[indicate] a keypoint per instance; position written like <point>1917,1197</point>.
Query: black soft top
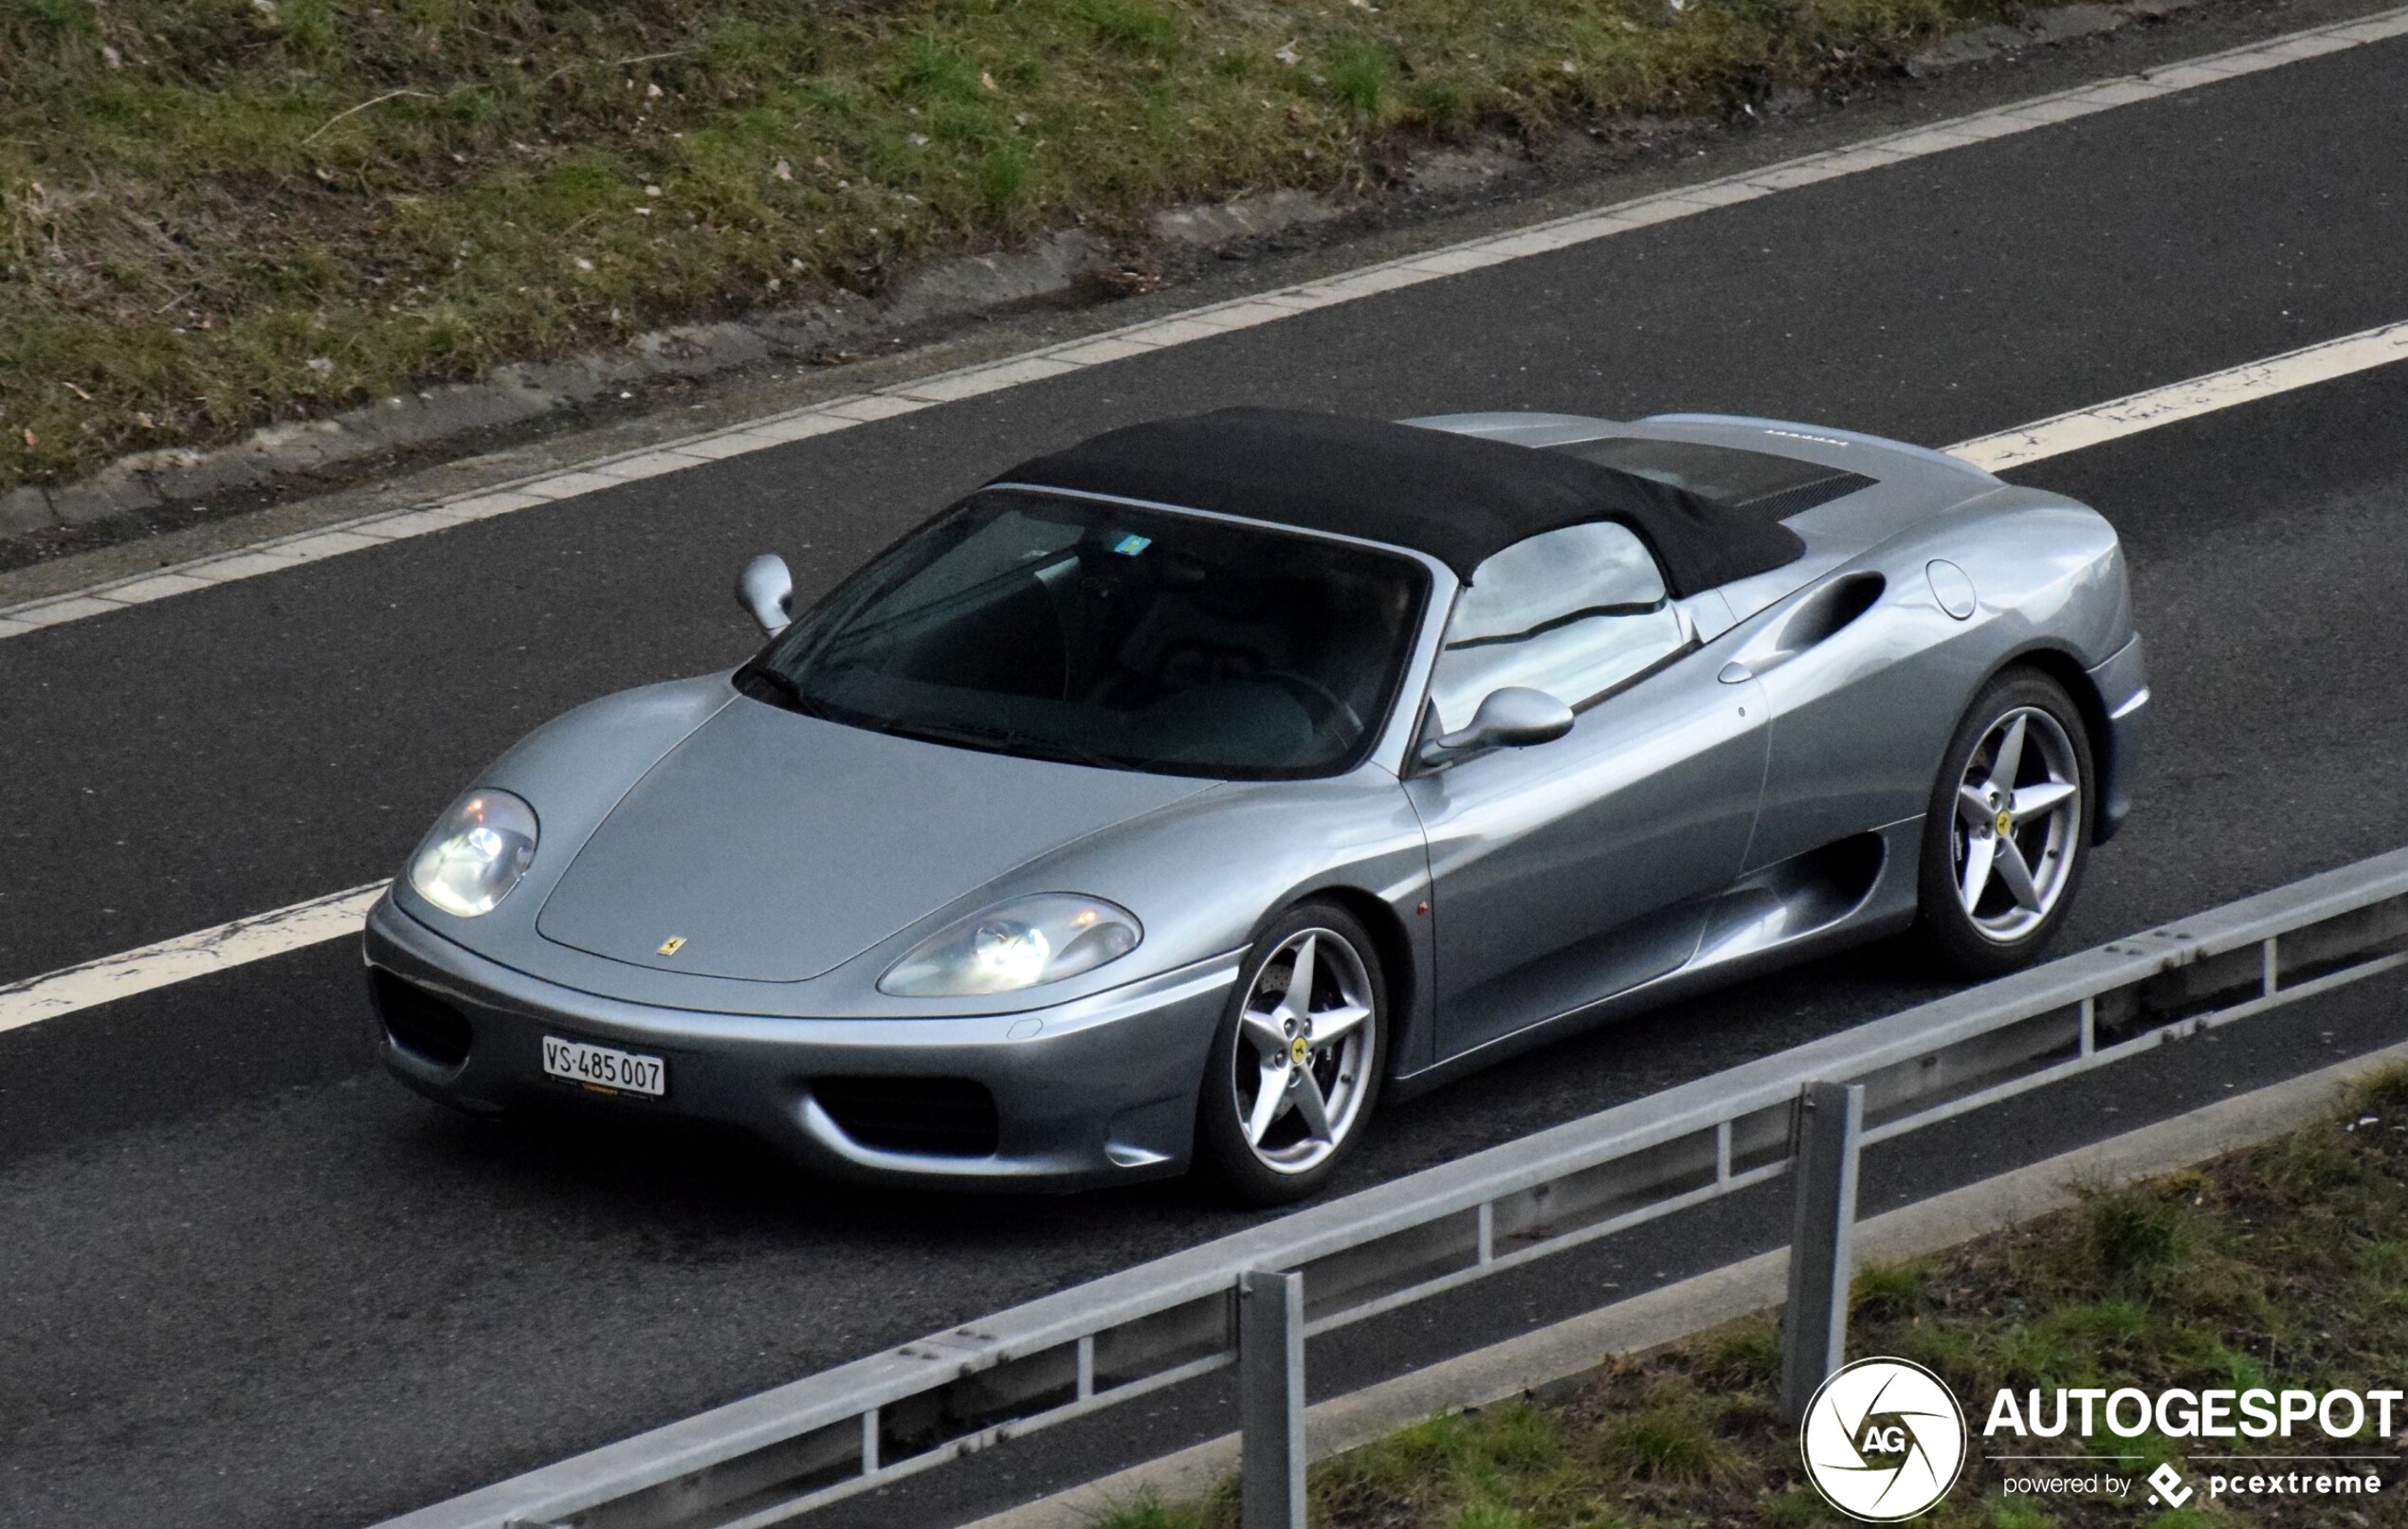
<point>1458,498</point>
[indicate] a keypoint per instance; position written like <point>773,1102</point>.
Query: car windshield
<point>1070,628</point>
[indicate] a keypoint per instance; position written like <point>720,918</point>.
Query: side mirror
<point>766,591</point>
<point>1513,718</point>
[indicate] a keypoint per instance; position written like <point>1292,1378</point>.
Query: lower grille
<point>418,1022</point>
<point>931,1117</point>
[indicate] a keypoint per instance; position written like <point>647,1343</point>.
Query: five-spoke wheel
<point>1296,1067</point>
<point>2009,821</point>
<point>2019,816</point>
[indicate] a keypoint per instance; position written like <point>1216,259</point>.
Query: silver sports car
<point>1172,796</point>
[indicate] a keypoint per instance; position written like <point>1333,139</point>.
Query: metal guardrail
<point>772,1457</point>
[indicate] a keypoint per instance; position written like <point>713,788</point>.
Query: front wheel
<point>1294,1068</point>
<point>2009,828</point>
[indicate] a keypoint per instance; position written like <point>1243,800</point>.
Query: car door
<point>1863,681</point>
<point>1567,872</point>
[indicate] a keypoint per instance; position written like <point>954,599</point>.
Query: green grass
<point>2281,1266</point>
<point>1666,1442</point>
<point>215,213</point>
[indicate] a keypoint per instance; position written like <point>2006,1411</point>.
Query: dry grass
<point>215,213</point>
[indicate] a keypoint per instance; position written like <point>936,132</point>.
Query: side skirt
<point>1851,892</point>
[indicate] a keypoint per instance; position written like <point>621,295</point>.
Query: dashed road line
<point>2140,411</point>
<point>1194,324</point>
<point>185,957</point>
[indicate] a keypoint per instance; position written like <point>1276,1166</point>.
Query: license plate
<point>598,1066</point>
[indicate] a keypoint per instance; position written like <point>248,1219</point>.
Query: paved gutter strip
<point>1201,324</point>
<point>1569,1349</point>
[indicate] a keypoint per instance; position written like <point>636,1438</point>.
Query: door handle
<point>1736,673</point>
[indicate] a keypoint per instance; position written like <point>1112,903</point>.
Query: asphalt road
<point>245,1279</point>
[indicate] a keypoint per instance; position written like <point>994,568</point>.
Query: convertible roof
<point>1458,498</point>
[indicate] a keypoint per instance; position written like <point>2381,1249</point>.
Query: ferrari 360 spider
<point>1174,796</point>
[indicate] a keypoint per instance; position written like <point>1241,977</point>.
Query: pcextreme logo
<point>2166,1485</point>
<point>1884,1440</point>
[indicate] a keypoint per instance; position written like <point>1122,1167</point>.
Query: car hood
<point>772,847</point>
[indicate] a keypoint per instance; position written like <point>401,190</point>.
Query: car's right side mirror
<point>766,591</point>
<point>1513,718</point>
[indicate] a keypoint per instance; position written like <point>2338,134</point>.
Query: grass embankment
<point>216,213</point>
<point>2286,1266</point>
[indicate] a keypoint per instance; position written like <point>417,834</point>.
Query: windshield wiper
<point>1004,741</point>
<point>755,677</point>
<point>754,680</point>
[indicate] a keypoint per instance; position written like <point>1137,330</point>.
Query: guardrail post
<point>1815,1323</point>
<point>1270,1401</point>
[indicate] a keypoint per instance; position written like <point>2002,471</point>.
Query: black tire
<point>1955,940</point>
<point>1224,1155</point>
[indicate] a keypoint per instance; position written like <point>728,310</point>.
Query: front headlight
<point>475,854</point>
<point>1025,943</point>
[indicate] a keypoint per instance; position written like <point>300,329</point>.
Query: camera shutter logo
<point>1884,1440</point>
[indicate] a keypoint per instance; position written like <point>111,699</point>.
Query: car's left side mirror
<point>1513,718</point>
<point>766,591</point>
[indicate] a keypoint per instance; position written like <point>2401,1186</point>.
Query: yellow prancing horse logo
<point>1298,1049</point>
<point>2005,824</point>
<point>673,944</point>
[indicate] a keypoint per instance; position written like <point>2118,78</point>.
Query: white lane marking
<point>185,957</point>
<point>1194,325</point>
<point>339,914</point>
<point>2184,400</point>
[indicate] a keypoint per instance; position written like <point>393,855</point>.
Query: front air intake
<point>925,1116</point>
<point>417,1021</point>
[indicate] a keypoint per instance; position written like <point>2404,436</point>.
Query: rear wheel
<point>1294,1069</point>
<point>2009,828</point>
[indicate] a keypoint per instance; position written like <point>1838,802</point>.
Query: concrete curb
<point>964,287</point>
<point>1571,1348</point>
<point>960,288</point>
<point>388,522</point>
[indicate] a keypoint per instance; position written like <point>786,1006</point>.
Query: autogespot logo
<point>1884,1440</point>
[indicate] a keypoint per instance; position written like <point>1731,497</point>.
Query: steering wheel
<point>1319,699</point>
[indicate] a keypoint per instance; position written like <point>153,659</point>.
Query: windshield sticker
<point>1130,546</point>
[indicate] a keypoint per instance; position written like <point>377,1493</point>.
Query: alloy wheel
<point>2019,825</point>
<point>1304,1041</point>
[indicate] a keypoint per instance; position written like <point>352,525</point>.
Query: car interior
<point>1140,639</point>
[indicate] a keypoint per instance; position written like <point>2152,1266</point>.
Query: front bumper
<point>1099,1090</point>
